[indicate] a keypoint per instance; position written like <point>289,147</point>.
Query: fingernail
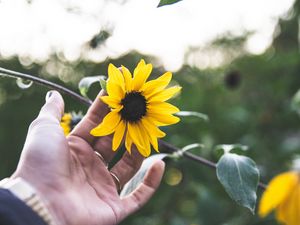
<point>48,95</point>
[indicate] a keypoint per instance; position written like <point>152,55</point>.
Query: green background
<point>248,101</point>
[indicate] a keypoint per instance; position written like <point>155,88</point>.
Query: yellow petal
<point>120,107</point>
<point>118,135</point>
<point>115,91</point>
<point>151,133</point>
<point>66,123</point>
<point>280,213</point>
<point>115,76</point>
<point>111,102</point>
<point>108,125</point>
<point>66,128</point>
<point>162,108</point>
<point>146,140</point>
<point>277,191</point>
<point>162,119</point>
<point>134,134</point>
<point>137,138</point>
<point>139,66</point>
<point>165,94</point>
<point>154,143</point>
<point>127,78</point>
<point>128,142</point>
<point>67,117</point>
<point>141,74</point>
<point>151,128</point>
<point>289,210</point>
<point>154,86</point>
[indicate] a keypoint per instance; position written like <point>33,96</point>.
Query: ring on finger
<point>101,158</point>
<point>116,180</point>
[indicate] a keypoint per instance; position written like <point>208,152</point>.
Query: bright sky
<point>46,26</point>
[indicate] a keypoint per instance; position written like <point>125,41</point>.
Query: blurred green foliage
<point>248,101</point>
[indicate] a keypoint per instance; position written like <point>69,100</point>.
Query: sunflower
<point>283,196</point>
<point>138,108</point>
<point>69,121</point>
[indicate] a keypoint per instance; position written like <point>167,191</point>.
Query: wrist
<point>30,196</point>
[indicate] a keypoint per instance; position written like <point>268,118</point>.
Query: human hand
<point>73,181</point>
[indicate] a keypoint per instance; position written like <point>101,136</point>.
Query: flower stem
<point>165,145</point>
<point>46,83</point>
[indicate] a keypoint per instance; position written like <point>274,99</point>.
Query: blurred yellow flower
<point>66,123</point>
<point>283,196</point>
<point>137,107</point>
<point>69,121</point>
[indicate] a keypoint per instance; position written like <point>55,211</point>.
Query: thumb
<point>54,106</point>
<point>51,112</point>
<point>45,148</point>
<point>143,193</point>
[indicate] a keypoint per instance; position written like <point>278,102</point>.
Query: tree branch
<point>45,83</point>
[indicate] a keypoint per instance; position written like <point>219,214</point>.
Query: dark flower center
<point>134,107</point>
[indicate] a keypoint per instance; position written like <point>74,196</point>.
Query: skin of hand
<point>72,180</point>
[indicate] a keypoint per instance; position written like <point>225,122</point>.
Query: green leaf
<point>194,114</point>
<point>239,176</point>
<point>295,104</point>
<point>103,83</point>
<point>86,82</point>
<point>138,178</point>
<point>167,2</point>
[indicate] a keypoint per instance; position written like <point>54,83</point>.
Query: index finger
<point>93,117</point>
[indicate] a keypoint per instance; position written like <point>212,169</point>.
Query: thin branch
<point>48,84</point>
<point>171,148</point>
<point>165,145</point>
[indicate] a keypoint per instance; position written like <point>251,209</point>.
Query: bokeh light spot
<point>173,176</point>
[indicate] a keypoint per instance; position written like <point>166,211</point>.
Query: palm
<point>98,199</point>
<point>75,181</point>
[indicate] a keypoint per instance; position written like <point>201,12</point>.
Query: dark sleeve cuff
<point>13,211</point>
